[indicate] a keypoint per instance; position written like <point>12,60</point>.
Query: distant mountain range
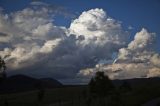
<point>19,83</point>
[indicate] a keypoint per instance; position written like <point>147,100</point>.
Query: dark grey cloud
<point>3,34</point>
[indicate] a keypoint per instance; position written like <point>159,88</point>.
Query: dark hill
<point>139,81</point>
<point>18,83</point>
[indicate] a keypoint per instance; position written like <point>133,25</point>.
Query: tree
<point>2,69</point>
<point>100,85</point>
<point>41,91</point>
<point>125,87</point>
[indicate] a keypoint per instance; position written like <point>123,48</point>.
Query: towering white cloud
<point>139,59</point>
<point>140,49</point>
<point>98,27</point>
<point>35,40</point>
<point>34,45</point>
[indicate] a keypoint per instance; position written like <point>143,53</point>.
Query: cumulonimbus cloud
<point>35,45</point>
<point>139,59</point>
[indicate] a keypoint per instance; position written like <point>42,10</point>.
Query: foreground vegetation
<point>78,96</point>
<point>51,96</point>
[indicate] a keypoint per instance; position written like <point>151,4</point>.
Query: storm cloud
<point>138,59</point>
<point>35,46</point>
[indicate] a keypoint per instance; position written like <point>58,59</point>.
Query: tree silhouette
<point>100,85</point>
<point>2,69</point>
<point>125,87</point>
<point>40,93</point>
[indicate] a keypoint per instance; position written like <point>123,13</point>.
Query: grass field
<point>66,95</point>
<point>74,96</point>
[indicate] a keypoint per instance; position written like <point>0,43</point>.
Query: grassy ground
<point>75,96</point>
<point>141,94</point>
<point>67,95</point>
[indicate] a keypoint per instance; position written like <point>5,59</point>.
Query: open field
<point>77,96</point>
<point>66,95</point>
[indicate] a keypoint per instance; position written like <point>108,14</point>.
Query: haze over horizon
<point>70,41</point>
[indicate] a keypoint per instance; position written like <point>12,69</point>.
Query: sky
<point>71,39</point>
